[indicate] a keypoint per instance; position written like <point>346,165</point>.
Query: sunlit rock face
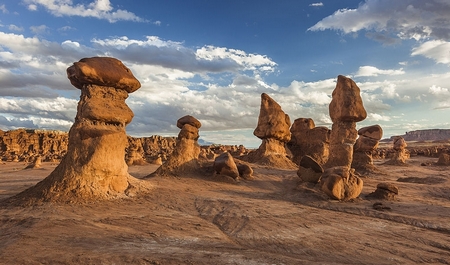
<point>184,158</point>
<point>94,166</point>
<point>273,129</point>
<point>346,108</point>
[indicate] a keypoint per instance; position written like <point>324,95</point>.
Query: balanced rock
<point>341,183</point>
<point>225,165</point>
<point>272,122</point>
<point>306,139</point>
<point>401,154</point>
<point>346,108</point>
<point>273,129</point>
<point>366,143</point>
<point>94,166</point>
<point>185,156</point>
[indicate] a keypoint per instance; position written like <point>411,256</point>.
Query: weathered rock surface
<point>365,145</point>
<point>309,170</point>
<point>346,108</point>
<point>306,139</point>
<point>272,122</point>
<point>444,160</point>
<point>94,166</point>
<point>384,191</point>
<point>341,183</point>
<point>401,154</point>
<point>273,129</point>
<point>185,157</point>
<point>225,165</point>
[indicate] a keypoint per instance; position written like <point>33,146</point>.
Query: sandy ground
<point>274,219</point>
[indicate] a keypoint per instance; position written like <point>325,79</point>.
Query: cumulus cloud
<point>171,54</point>
<point>100,9</point>
<point>373,71</point>
<point>407,19</point>
<point>436,50</point>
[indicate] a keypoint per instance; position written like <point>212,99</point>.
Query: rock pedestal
<point>400,155</point>
<point>94,166</point>
<point>184,158</point>
<point>273,130</point>
<point>366,143</point>
<point>346,108</point>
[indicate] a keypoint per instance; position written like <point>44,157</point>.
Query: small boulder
<point>341,183</point>
<point>225,165</point>
<point>384,191</point>
<point>309,170</point>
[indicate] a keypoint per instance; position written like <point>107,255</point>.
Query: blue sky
<point>213,59</point>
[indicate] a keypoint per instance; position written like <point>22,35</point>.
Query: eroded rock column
<point>339,180</point>
<point>366,143</point>
<point>184,158</point>
<point>273,129</point>
<point>94,166</point>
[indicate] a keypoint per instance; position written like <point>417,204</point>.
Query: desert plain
<point>273,219</point>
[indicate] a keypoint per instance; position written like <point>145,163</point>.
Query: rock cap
<point>102,71</point>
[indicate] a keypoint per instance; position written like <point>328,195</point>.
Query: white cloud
<point>440,91</point>
<point>39,30</point>
<point>100,9</point>
<point>316,4</point>
<point>436,50</point>
<point>3,9</point>
<point>15,28</point>
<point>377,117</point>
<point>373,71</point>
<point>408,19</point>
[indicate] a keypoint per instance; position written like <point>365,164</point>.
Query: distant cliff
<point>426,135</point>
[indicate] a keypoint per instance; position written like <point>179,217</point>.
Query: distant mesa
<point>424,135</point>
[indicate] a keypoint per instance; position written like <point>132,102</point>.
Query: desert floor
<point>274,219</point>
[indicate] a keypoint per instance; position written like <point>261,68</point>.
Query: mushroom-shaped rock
<point>185,156</point>
<point>225,165</point>
<point>273,129</point>
<point>374,132</point>
<point>272,121</point>
<point>188,119</point>
<point>94,166</point>
<point>102,71</point>
<point>346,108</point>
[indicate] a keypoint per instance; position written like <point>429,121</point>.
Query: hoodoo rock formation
<point>273,130</point>
<point>366,143</point>
<point>400,154</point>
<point>307,139</point>
<point>184,158</point>
<point>94,166</point>
<point>346,108</point>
